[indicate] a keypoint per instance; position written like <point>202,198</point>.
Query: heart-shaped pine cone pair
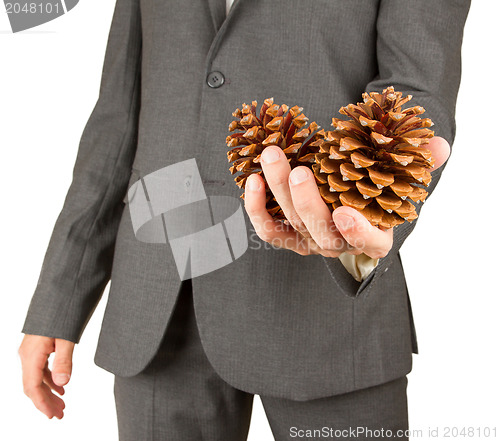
<point>374,162</point>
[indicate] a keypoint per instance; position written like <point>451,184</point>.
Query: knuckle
<point>331,244</point>
<point>266,231</point>
<point>41,402</point>
<point>303,205</point>
<point>325,243</point>
<point>278,180</point>
<point>359,241</point>
<point>355,250</point>
<point>250,209</point>
<point>297,223</point>
<point>22,351</point>
<point>62,362</point>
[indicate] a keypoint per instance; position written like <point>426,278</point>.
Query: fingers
<point>319,225</point>
<point>277,170</point>
<point>34,353</point>
<point>46,402</point>
<point>362,235</point>
<point>255,204</point>
<point>273,232</point>
<point>314,212</point>
<point>33,366</point>
<point>61,369</point>
<point>440,149</point>
<point>297,194</point>
<point>47,379</point>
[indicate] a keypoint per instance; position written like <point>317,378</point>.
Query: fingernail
<point>343,221</point>
<point>298,175</point>
<point>252,184</point>
<point>61,377</point>
<point>270,155</point>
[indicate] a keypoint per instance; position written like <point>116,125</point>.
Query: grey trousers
<point>179,397</point>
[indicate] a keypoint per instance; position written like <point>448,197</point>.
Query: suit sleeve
<point>419,53</point>
<point>78,260</point>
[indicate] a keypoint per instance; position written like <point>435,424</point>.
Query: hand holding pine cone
<point>374,162</point>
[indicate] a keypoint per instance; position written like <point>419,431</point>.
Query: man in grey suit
<point>321,349</point>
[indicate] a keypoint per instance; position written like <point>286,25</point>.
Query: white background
<point>49,84</point>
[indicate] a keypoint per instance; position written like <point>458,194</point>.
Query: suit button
<point>215,79</point>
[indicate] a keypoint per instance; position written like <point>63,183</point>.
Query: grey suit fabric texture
<point>180,397</point>
<point>272,322</point>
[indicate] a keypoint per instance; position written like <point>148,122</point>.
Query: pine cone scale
<point>381,156</point>
<point>273,124</point>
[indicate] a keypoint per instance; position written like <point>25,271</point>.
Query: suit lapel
<point>220,23</point>
<point>218,12</point>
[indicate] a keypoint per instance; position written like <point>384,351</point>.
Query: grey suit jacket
<point>272,322</point>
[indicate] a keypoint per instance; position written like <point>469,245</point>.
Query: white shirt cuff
<point>359,266</point>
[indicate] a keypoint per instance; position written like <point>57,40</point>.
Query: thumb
<point>440,149</point>
<point>359,233</point>
<point>63,361</point>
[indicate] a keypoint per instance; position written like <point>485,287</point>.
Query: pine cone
<point>274,125</point>
<point>375,162</point>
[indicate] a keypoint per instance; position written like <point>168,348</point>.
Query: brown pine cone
<point>374,162</point>
<point>273,125</point>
